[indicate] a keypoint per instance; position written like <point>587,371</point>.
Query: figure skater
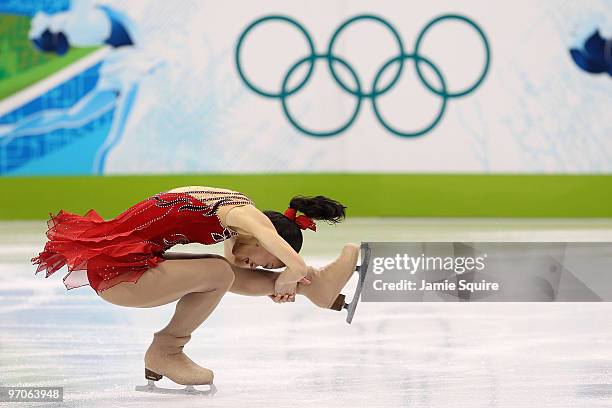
<point>123,260</point>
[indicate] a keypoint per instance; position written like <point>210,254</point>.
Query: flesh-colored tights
<point>198,282</point>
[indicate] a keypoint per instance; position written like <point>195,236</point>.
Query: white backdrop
<point>535,112</point>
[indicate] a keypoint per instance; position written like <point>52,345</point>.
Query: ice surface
<point>294,355</point>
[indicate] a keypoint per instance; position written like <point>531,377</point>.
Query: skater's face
<point>253,255</point>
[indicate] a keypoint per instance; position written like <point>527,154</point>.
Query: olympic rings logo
<point>357,90</point>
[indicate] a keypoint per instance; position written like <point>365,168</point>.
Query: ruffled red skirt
<point>98,253</point>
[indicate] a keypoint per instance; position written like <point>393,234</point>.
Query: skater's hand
<point>289,298</point>
<point>286,284</point>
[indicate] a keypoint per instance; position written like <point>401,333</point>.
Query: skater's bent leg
<point>194,308</point>
<point>198,283</point>
<point>169,281</point>
<point>247,281</point>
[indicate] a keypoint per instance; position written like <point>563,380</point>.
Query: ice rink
<point>294,355</point>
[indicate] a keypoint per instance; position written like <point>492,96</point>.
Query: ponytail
<point>319,208</point>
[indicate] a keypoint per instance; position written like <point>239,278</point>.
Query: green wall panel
<point>410,195</point>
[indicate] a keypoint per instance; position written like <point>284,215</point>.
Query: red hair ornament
<point>302,221</point>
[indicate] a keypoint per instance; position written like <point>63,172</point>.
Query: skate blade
<point>362,270</point>
<point>188,390</point>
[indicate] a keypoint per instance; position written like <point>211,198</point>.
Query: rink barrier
<point>365,195</point>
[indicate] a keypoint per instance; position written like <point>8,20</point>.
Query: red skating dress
<point>103,253</point>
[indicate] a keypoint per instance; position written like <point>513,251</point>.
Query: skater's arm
<point>227,249</point>
<point>250,220</point>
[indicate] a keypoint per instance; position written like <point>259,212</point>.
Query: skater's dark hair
<point>315,208</point>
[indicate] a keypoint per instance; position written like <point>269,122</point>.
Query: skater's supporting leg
<point>199,284</point>
<point>170,281</point>
<point>193,309</point>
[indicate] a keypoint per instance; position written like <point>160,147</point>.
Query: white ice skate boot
<point>327,282</point>
<point>165,357</point>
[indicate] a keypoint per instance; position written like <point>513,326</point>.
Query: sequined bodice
<point>170,218</point>
<point>218,199</point>
<point>103,253</point>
